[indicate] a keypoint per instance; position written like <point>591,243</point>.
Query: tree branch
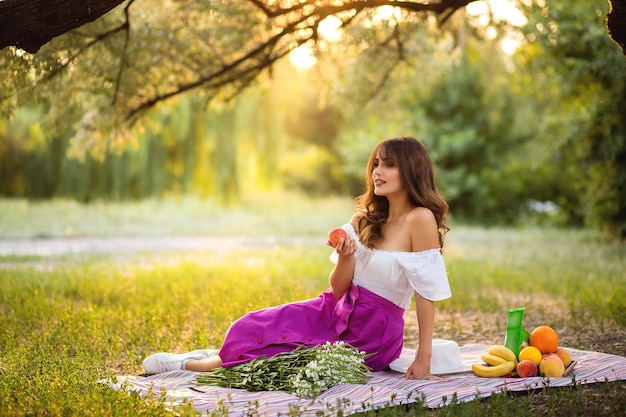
<point>300,20</point>
<point>124,51</point>
<point>392,65</point>
<point>29,25</point>
<point>233,72</point>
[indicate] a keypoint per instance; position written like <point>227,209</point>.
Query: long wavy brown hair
<point>418,176</point>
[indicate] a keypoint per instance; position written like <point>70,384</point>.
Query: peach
<point>551,366</point>
<point>526,368</point>
<point>335,234</point>
<point>564,355</point>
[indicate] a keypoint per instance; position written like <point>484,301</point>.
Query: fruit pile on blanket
<point>538,353</point>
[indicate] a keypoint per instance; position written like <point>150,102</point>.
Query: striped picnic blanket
<point>384,389</point>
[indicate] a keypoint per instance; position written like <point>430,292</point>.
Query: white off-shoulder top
<point>394,274</point>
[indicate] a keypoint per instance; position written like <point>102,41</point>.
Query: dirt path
<point>56,246</point>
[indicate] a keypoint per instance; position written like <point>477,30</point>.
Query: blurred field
<point>278,214</point>
<point>71,319</point>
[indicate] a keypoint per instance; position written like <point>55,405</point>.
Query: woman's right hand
<point>345,246</point>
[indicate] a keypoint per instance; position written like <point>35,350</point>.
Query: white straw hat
<point>446,359</point>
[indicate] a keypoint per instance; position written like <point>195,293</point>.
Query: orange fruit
<point>545,339</point>
<point>532,354</point>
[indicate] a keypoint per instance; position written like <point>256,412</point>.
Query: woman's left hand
<point>418,371</point>
<point>346,246</point>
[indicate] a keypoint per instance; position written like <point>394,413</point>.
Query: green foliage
<point>261,140</point>
<point>315,125</point>
<point>179,150</point>
<point>466,121</point>
<point>312,169</point>
<point>475,126</point>
<point>92,77</point>
<point>585,120</point>
<point>526,138</point>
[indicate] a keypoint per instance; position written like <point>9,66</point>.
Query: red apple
<point>335,234</point>
<point>526,368</point>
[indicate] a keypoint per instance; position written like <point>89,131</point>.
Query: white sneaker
<point>161,362</point>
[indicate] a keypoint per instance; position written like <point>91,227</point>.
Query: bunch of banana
<point>500,361</point>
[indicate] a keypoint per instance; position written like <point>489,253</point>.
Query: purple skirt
<point>360,318</point>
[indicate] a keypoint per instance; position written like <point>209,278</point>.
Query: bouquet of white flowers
<point>305,371</point>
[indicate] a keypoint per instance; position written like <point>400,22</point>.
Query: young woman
<point>392,253</point>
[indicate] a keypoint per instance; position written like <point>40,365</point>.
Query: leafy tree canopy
<point>106,74</point>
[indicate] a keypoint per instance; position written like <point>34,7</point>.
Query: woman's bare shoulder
<point>421,216</point>
<point>423,229</point>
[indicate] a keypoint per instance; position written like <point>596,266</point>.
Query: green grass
<point>574,401</point>
<point>574,266</point>
<point>68,321</point>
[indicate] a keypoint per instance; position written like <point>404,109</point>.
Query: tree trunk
<point>29,25</point>
<point>616,23</point>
